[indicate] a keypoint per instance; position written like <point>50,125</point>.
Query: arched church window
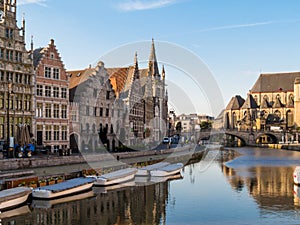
<point>277,113</point>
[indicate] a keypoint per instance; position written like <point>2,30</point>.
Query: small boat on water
<point>13,197</point>
<point>296,175</point>
<point>167,170</point>
<point>21,210</point>
<point>65,188</point>
<point>115,187</point>
<point>176,176</point>
<point>115,177</point>
<point>145,171</point>
<point>50,203</point>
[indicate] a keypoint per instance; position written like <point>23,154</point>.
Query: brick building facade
<point>52,99</point>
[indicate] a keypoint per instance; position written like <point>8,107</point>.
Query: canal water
<point>252,186</point>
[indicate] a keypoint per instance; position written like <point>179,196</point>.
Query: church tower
<point>158,95</point>
<point>297,102</point>
<point>16,74</point>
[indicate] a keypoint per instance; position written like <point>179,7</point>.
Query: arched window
<point>278,113</point>
<point>289,118</point>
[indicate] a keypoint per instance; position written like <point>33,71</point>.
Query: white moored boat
<point>145,171</point>
<point>115,177</point>
<point>65,188</point>
<point>50,203</point>
<point>296,175</point>
<point>167,170</point>
<point>13,197</point>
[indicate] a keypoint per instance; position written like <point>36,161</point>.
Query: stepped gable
<point>235,103</point>
<point>274,82</point>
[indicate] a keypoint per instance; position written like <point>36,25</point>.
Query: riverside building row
<point>86,109</point>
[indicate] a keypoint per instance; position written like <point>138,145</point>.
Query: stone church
<point>272,103</point>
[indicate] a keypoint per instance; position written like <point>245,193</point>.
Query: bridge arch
<point>232,139</point>
<point>266,138</point>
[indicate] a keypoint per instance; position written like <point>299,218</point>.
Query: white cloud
<point>137,5</point>
<point>38,2</point>
<point>237,26</point>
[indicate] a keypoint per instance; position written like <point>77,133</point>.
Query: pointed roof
<point>235,103</point>
<point>250,103</point>
<point>265,104</point>
<point>136,73</point>
<point>152,64</point>
<point>77,77</point>
<point>274,82</point>
<point>278,103</point>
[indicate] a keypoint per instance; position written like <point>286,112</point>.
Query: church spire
<point>136,74</point>
<point>152,65</point>
<point>163,73</point>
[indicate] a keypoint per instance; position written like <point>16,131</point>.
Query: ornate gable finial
<point>153,65</point>
<point>136,68</point>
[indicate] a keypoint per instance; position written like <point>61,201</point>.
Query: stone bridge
<point>245,137</point>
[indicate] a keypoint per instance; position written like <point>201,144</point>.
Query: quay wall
<point>52,160</point>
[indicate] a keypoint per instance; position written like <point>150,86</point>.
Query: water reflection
<point>128,204</point>
<point>255,186</point>
<point>269,180</point>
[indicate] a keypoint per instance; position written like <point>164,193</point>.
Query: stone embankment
<point>27,171</point>
<point>52,160</point>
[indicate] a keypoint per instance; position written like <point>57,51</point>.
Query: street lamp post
<point>9,92</point>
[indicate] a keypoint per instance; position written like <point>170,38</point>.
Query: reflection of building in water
<point>269,186</point>
<point>132,205</point>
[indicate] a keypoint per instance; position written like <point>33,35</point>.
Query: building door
<point>39,137</point>
<point>74,143</point>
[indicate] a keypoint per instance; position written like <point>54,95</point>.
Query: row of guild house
<point>86,109</point>
<point>273,103</point>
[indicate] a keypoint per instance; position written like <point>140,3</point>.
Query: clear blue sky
<point>236,39</point>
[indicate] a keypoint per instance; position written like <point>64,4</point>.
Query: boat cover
<point>172,167</point>
<point>14,193</point>
<point>118,174</point>
<point>66,185</point>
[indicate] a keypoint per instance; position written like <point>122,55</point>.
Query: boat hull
<point>145,171</point>
<point>296,175</point>
<point>115,177</point>
<point>14,202</point>
<point>42,203</point>
<point>105,182</point>
<point>167,170</point>
<point>47,194</point>
<point>65,188</point>
<point>13,197</point>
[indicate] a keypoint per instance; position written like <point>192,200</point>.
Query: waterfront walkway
<point>51,164</point>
